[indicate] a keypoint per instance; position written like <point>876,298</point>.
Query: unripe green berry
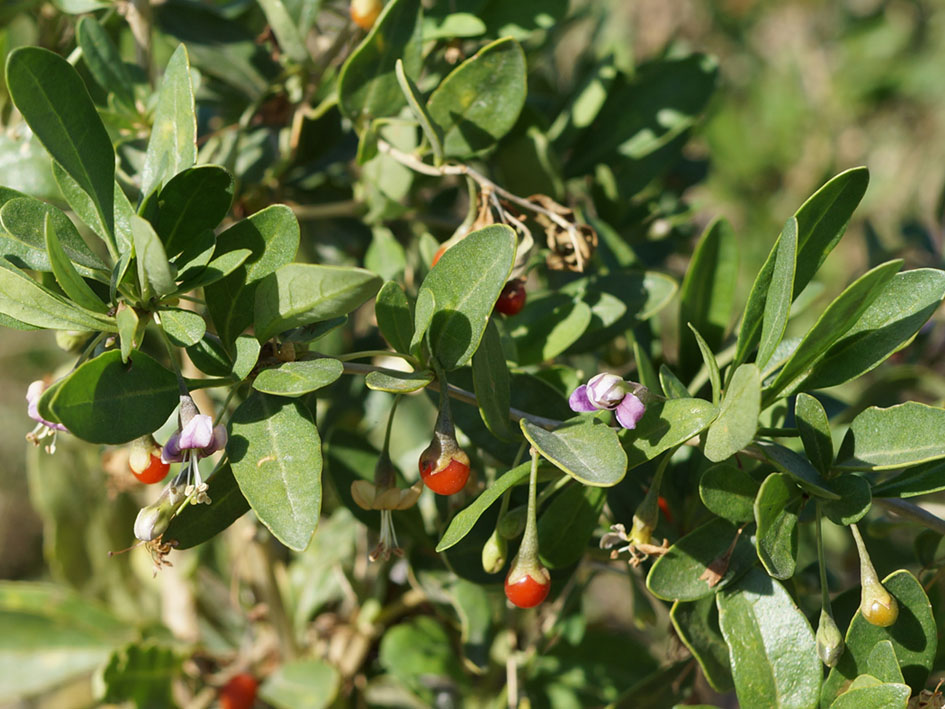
<point>494,553</point>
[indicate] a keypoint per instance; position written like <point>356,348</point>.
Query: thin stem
<point>181,383</point>
<point>455,392</point>
<point>824,591</point>
<point>328,210</point>
<point>702,376</point>
<point>364,354</point>
<point>484,182</point>
<point>529,548</point>
<point>390,425</point>
<point>195,384</point>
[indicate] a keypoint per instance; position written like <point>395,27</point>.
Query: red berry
<point>239,692</point>
<point>525,592</point>
<point>365,12</point>
<point>154,473</point>
<point>436,257</point>
<point>512,298</point>
<point>449,480</point>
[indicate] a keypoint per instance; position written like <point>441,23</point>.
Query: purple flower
<point>610,392</point>
<point>199,435</point>
<point>33,392</point>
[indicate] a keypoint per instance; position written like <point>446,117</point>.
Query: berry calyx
<point>364,12</point>
<point>445,479</point>
<point>239,692</point>
<point>512,298</point>
<point>529,588</point>
<point>155,472</point>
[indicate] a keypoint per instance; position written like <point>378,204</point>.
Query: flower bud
<point>829,640</point>
<point>494,553</point>
<point>606,391</point>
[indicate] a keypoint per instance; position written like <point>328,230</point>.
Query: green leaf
<point>302,293</point>
<point>84,207</point>
<point>104,61</point>
<point>697,625</point>
<point>172,147</point>
<point>298,378</point>
<point>55,103</point>
<point>737,422</point>
<point>272,236</point>
<point>547,326</point>
<point>873,696</point>
<point>913,637</point>
<point>671,386</point>
<point>183,327</point>
<point>309,683</point>
<point>417,652</point>
<point>286,30</point>
<point>141,674</point>
<point>836,319</point>
<point>778,294</point>
<point>51,635</point>
<point>676,575</point>
<point>710,364</point>
<point>192,201</point>
<point>216,270</point>
<point>23,299</point>
<point>210,356</point>
<point>821,221</point>
<point>776,510</point>
<point>385,255</point>
<point>566,526</point>
<point>798,468</point>
<point>823,218</point>
<point>128,323</point>
<point>491,382</point>
<point>154,270</point>
<point>887,325</point>
<point>664,425</point>
<point>463,522</point>
<point>419,110</point>
<point>772,649</point>
<point>921,480</point>
<point>394,316</point>
<point>275,452</point>
<point>106,401</point>
<point>24,240</point>
<point>398,382</point>
<point>465,284</point>
<point>588,450</point>
<point>855,499</point>
<point>246,354</point>
<point>883,663</point>
<point>729,492</point>
<point>367,84</point>
<point>815,431</point>
<point>895,437</point>
<point>708,291</point>
<point>67,277</point>
<point>480,100</point>
<point>196,524</point>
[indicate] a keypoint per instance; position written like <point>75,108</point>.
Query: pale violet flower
<point>610,392</point>
<point>196,438</point>
<point>43,428</point>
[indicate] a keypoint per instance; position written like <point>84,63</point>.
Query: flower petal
<point>630,411</point>
<point>171,452</point>
<point>579,402</point>
<point>606,391</point>
<point>197,433</point>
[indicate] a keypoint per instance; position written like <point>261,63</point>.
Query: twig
<point>912,512</point>
<point>455,392</point>
<point>485,183</point>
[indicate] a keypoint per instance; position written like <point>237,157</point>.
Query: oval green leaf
<point>107,401</point>
<point>398,382</point>
<point>737,422</point>
<point>275,452</point>
<point>895,437</point>
<point>197,524</point>
<point>664,425</point>
<point>776,509</point>
<point>729,492</point>
<point>587,450</point>
<point>298,378</point>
